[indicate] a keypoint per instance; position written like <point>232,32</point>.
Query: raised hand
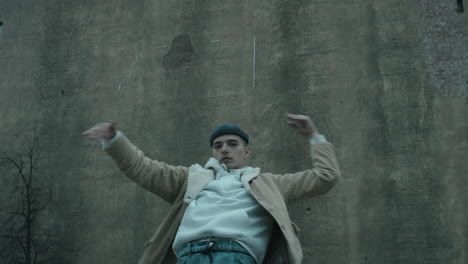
<point>101,131</point>
<point>303,125</point>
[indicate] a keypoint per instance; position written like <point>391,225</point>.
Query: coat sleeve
<point>323,175</point>
<point>164,180</point>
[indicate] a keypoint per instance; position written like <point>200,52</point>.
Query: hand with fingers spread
<point>303,125</point>
<point>101,131</point>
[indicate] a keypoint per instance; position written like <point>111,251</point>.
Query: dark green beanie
<point>228,129</point>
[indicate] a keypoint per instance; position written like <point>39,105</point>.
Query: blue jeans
<point>214,251</point>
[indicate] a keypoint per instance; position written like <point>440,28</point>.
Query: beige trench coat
<point>272,191</point>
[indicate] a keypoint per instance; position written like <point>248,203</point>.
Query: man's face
<point>231,150</point>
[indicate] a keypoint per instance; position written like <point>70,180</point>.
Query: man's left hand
<point>303,125</point>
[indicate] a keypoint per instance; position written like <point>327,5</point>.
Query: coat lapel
<point>198,177</point>
<point>248,176</point>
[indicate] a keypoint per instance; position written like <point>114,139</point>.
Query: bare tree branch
<point>16,239</point>
<point>29,195</point>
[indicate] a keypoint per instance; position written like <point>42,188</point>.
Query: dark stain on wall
<point>180,52</point>
<point>460,7</point>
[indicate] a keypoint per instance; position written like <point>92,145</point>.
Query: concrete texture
<point>385,81</point>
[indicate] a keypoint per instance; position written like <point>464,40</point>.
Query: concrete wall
<point>385,81</point>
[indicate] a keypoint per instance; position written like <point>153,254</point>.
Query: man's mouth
<point>225,159</point>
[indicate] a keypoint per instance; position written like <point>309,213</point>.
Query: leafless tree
<point>26,235</point>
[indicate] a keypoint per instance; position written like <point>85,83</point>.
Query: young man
<point>225,212</point>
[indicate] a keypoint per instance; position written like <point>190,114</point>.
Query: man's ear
<point>247,151</point>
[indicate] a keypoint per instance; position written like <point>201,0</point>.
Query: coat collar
<point>198,177</point>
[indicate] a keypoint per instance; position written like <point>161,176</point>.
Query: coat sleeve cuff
<point>108,143</point>
<point>317,138</point>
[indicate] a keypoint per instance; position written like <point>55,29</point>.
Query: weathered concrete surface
<point>386,81</point>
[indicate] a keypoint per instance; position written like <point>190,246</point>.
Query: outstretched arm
<point>164,180</point>
<point>324,173</point>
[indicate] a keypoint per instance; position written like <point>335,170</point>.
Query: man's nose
<point>224,148</point>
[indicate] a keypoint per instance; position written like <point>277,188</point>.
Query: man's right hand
<point>102,131</point>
